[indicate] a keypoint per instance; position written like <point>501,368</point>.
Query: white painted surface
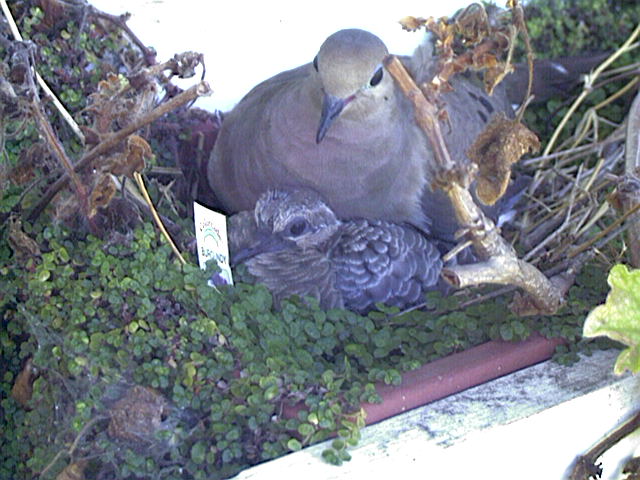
<point>245,42</point>
<point>527,426</point>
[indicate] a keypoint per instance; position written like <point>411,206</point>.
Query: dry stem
<point>502,266</point>
<point>115,138</point>
<point>57,103</point>
<point>589,86</point>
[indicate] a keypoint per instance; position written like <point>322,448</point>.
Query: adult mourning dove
<point>300,247</point>
<point>341,127</point>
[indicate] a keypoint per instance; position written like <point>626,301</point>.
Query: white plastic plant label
<point>211,238</point>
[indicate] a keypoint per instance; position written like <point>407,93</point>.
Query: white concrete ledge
<point>528,425</point>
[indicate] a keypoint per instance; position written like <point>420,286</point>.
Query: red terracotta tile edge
<point>452,374</point>
<point>458,372</point>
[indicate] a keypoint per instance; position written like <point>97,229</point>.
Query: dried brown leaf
<point>494,75</point>
<point>22,389</point>
<point>106,104</point>
<point>184,64</point>
<point>101,194</point>
<point>470,41</point>
<point>523,305</point>
<point>498,147</point>
<point>25,170</point>
<point>54,12</point>
<point>472,23</point>
<point>412,23</point>
<point>132,159</point>
<point>632,469</point>
<point>23,246</point>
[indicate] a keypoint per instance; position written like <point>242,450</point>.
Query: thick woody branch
<point>503,266</point>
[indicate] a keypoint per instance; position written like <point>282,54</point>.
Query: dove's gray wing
<point>292,272</point>
<point>377,261</point>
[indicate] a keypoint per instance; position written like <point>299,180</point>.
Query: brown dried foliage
<point>467,41</point>
<point>22,389</point>
<point>496,149</point>
<point>23,246</point>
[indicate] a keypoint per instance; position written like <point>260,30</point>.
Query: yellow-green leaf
<point>619,317</point>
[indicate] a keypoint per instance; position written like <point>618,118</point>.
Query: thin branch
<point>588,87</point>
<point>110,142</point>
<point>581,248</point>
<point>585,466</point>
<point>156,217</point>
<point>48,92</point>
<point>121,21</point>
<point>74,445</point>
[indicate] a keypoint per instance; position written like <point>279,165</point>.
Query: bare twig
<point>24,57</point>
<point>48,92</point>
<point>589,86</point>
<point>585,466</point>
<point>156,217</point>
<point>110,142</point>
<point>121,21</point>
<point>604,233</point>
<point>74,445</point>
<point>631,184</point>
<point>518,16</point>
<point>543,159</point>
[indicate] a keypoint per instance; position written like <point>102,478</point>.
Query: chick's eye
<point>297,228</point>
<point>377,78</point>
<point>315,63</point>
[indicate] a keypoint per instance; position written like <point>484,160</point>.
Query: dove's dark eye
<point>297,228</point>
<point>377,77</point>
<point>315,63</point>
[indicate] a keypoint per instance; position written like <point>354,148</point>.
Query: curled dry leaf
<point>184,64</point>
<point>54,11</point>
<point>23,246</point>
<point>138,415</point>
<point>632,468</point>
<point>132,159</point>
<point>494,75</point>
<point>32,157</point>
<point>468,41</point>
<point>471,24</point>
<point>22,389</point>
<point>107,103</point>
<point>101,194</point>
<point>412,24</point>
<point>117,102</point>
<point>501,145</point>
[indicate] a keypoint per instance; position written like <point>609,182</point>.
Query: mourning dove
<point>341,127</point>
<point>300,247</point>
<point>555,77</point>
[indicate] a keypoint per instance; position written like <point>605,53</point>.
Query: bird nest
<point>585,190</point>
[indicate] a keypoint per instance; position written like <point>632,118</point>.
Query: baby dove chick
<point>300,247</point>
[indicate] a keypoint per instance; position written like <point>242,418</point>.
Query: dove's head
<point>352,78</point>
<point>288,220</point>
